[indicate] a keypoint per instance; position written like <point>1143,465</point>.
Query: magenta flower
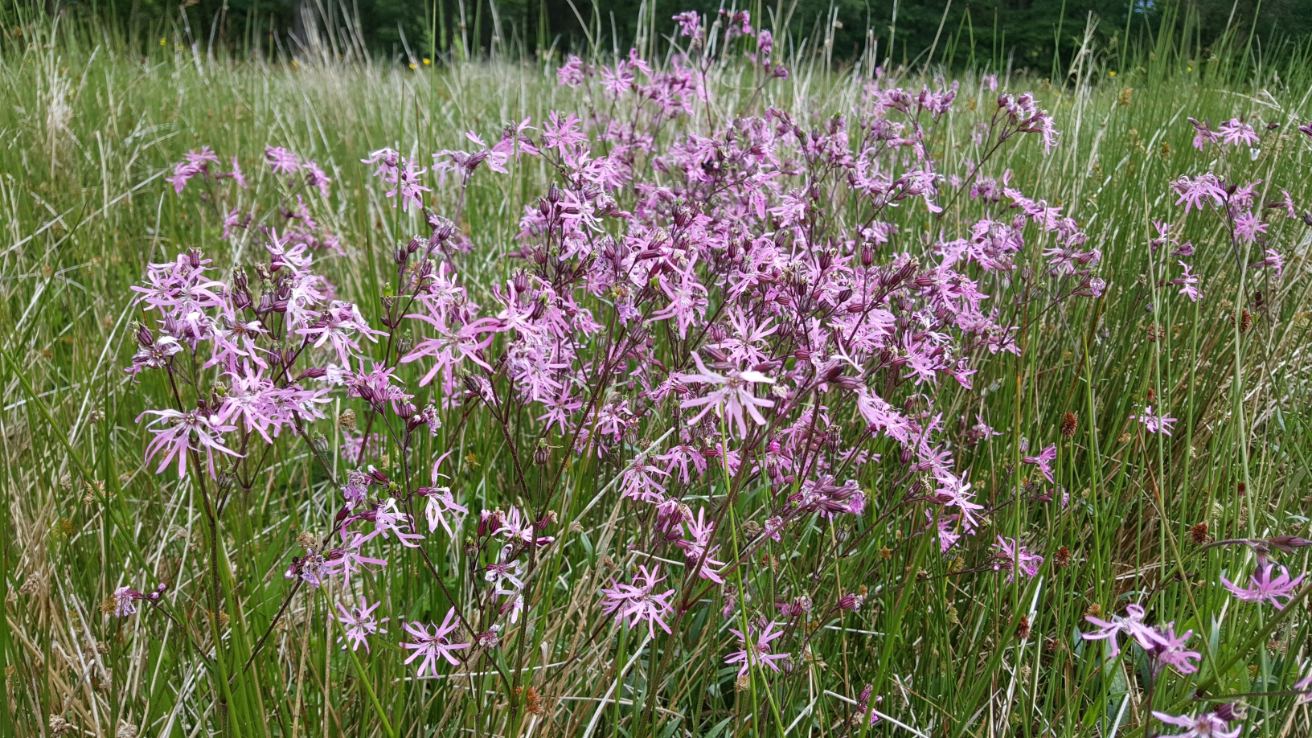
<point>1043,461</point>
<point>387,160</point>
<point>689,23</point>
<point>1111,630</point>
<point>1188,283</point>
<point>1012,556</point>
<point>637,603</point>
<point>698,548</point>
<point>310,568</point>
<point>1154,422</point>
<point>1272,259</point>
<point>360,624</point>
<point>316,177</point>
<point>236,175</point>
<point>1168,649</point>
<point>348,561</point>
<point>518,527</point>
<point>153,352</point>
<point>640,481</point>
<point>408,186</point>
<point>504,573</point>
<point>124,600</point>
<point>1235,133</point>
<point>1207,725</point>
<point>282,160</point>
<point>182,172</point>
<point>1263,588</point>
<point>1248,226</point>
<point>1161,643</point>
<point>432,642</point>
<point>1195,192</point>
<point>756,652</point>
<point>442,503</point>
<point>338,326</point>
<point>190,431</point>
<point>388,521</point>
<point>1304,685</point>
<point>732,394</point>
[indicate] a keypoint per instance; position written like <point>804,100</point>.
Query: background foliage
<point>1038,34</point>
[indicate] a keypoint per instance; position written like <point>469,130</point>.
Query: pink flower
<point>1154,422</point>
<point>316,177</point>
<point>1165,648</point>
<point>1012,556</point>
<point>339,325</point>
<point>125,599</point>
<point>689,23</point>
<point>698,549</point>
<point>639,481</point>
<point>756,652</point>
<point>236,174</point>
<point>1273,260</point>
<point>731,396</point>
<point>348,561</point>
<point>637,603</point>
<point>440,504</point>
<point>388,521</point>
<point>1168,649</point>
<point>1043,461</point>
<point>1188,282</point>
<point>1197,191</point>
<point>1234,133</point>
<point>1207,725</point>
<point>431,643</point>
<point>408,186</point>
<point>190,431</point>
<point>1305,686</point>
<point>1203,134</point>
<point>1110,630</point>
<point>1247,226</point>
<point>360,624</point>
<point>182,172</point>
<point>1264,588</point>
<point>282,160</point>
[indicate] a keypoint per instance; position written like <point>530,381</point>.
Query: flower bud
<point>1288,544</point>
<point>144,336</point>
<point>319,444</point>
<point>850,383</point>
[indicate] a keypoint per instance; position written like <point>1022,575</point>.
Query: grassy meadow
<point>90,129</point>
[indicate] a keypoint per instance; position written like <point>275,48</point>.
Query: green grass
<point>87,132</point>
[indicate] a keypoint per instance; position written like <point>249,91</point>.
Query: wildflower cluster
<point>746,337</point>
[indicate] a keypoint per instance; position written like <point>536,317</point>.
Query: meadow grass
<point>88,133</point>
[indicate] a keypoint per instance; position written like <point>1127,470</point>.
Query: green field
<point>91,129</point>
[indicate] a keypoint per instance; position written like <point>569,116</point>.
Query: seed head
<point>1069,425</point>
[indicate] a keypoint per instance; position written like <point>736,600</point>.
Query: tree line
<point>1040,35</point>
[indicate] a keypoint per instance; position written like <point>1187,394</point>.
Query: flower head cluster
<point>1161,643</point>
